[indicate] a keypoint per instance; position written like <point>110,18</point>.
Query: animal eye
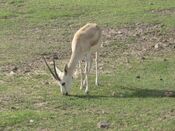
<point>63,84</point>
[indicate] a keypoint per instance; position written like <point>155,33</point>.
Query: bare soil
<point>168,11</point>
<point>139,40</point>
<point>118,44</point>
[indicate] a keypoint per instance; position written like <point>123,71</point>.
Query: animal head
<point>63,79</point>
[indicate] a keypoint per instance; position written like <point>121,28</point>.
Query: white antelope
<point>84,43</point>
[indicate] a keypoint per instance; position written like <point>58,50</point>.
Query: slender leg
<point>87,70</point>
<point>96,62</point>
<point>89,62</point>
<point>86,77</point>
<point>81,75</point>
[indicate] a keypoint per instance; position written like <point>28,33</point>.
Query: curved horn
<point>58,78</point>
<point>54,75</point>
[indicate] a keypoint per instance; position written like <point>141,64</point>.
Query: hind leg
<point>88,63</point>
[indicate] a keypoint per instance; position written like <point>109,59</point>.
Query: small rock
<point>169,94</point>
<point>102,45</point>
<point>143,58</point>
<point>26,71</point>
<point>12,73</point>
<point>46,83</point>
<point>165,59</point>
<point>172,110</point>
<point>119,32</point>
<point>138,77</point>
<point>164,117</point>
<point>13,107</point>
<point>136,35</point>
<point>103,112</point>
<point>151,3</point>
<point>156,46</point>
<point>55,57</point>
<point>31,121</point>
<point>14,68</point>
<point>100,68</point>
<point>103,124</point>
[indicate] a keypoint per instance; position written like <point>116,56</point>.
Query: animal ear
<point>58,71</point>
<point>65,69</point>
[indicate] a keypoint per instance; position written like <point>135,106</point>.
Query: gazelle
<point>84,43</point>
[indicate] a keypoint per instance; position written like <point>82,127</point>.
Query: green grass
<point>130,97</point>
<point>138,104</point>
<point>119,12</point>
<point>20,19</point>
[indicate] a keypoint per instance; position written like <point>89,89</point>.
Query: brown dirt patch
<point>118,45</point>
<point>135,41</point>
<point>169,11</point>
<point>139,40</point>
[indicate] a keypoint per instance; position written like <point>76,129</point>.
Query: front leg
<point>96,63</point>
<point>86,78</point>
<point>82,83</point>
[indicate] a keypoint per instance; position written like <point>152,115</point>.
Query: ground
<point>136,64</point>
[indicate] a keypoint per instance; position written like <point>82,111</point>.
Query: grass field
<point>137,60</point>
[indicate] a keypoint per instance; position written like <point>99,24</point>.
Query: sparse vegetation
<point>137,78</point>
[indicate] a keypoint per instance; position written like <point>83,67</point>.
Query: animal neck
<point>72,63</point>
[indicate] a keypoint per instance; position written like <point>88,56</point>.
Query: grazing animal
<point>84,43</point>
